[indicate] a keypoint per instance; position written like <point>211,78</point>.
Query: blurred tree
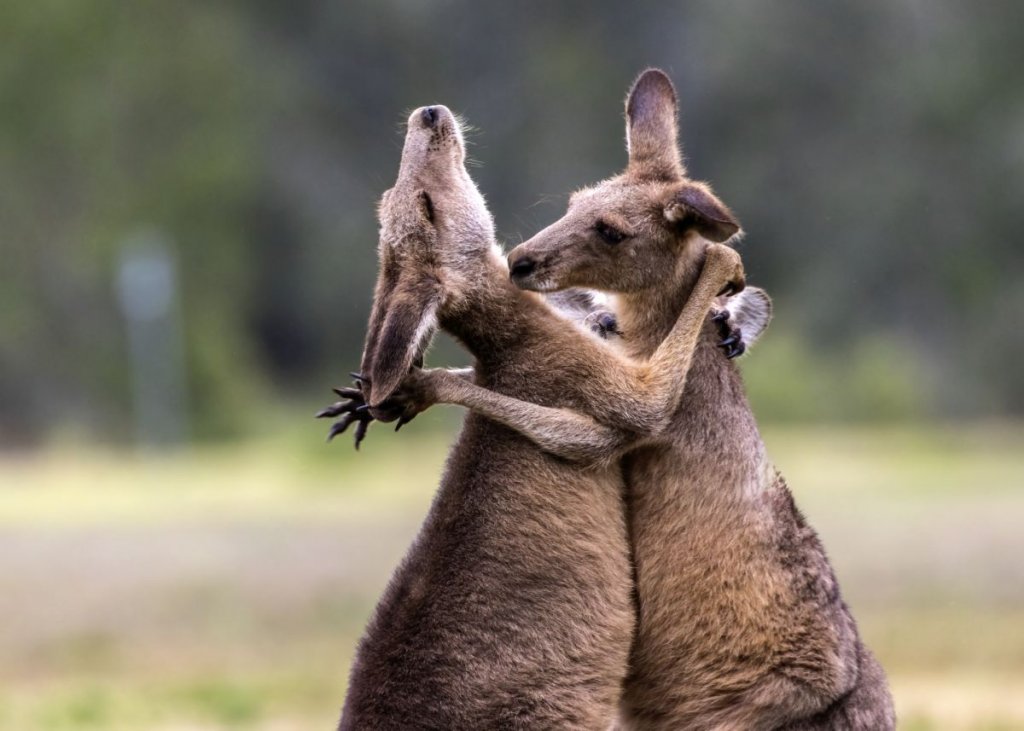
<point>873,152</point>
<point>114,117</point>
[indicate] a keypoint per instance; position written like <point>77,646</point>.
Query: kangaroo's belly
<point>740,624</point>
<point>513,607</point>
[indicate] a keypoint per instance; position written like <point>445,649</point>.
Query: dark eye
<point>608,234</point>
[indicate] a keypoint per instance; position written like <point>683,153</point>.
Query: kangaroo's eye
<point>609,234</point>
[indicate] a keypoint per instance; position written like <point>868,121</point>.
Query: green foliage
<point>227,704</point>
<point>88,708</point>
<point>119,117</point>
<point>871,150</point>
<point>872,379</point>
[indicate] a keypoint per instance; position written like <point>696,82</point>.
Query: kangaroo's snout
<point>522,267</point>
<point>531,267</point>
<point>434,149</point>
<point>429,116</point>
<point>432,117</point>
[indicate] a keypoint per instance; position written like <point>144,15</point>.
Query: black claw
<point>340,426</point>
<point>348,392</point>
<point>342,407</point>
<point>361,428</point>
<point>337,409</point>
<point>360,377</point>
<point>362,409</point>
<point>403,420</point>
<point>720,316</point>
<point>736,351</point>
<point>731,340</point>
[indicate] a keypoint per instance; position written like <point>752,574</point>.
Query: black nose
<point>522,267</point>
<point>429,116</point>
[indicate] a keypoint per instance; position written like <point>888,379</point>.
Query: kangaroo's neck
<point>714,419</point>
<point>646,317</point>
<point>489,314</point>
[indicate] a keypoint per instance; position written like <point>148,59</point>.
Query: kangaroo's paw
<point>352,408</point>
<point>604,323</point>
<point>726,257</point>
<point>732,337</point>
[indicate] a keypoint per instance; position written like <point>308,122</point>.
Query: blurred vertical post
<point>147,284</point>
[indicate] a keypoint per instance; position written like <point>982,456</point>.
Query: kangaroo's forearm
<point>467,374</point>
<point>625,404</point>
<point>643,399</point>
<point>669,366</point>
<point>559,431</point>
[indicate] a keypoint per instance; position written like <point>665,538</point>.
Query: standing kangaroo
<point>513,608</point>
<point>740,622</point>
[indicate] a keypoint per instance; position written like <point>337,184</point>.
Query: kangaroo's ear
<point>405,302</point>
<point>695,206</point>
<point>651,127</point>
<point>404,320</point>
<point>751,312</point>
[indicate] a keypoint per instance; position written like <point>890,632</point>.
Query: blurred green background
<point>188,239</point>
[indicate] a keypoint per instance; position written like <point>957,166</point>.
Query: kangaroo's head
<point>629,233</point>
<point>431,222</point>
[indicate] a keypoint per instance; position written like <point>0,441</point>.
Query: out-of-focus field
<point>226,588</point>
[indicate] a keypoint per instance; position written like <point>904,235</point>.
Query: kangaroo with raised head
<point>741,624</point>
<point>513,608</point>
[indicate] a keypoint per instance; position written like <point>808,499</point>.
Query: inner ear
<point>427,205</point>
<point>695,206</point>
<point>651,127</point>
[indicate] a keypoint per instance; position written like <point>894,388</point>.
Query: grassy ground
<point>226,588</point>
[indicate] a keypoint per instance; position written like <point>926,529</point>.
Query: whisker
<point>546,198</point>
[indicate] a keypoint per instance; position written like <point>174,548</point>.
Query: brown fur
<point>741,624</point>
<point>513,608</point>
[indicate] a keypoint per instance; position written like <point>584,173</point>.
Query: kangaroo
<point>513,608</point>
<point>741,624</point>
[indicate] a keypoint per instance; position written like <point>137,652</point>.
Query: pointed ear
<point>695,206</point>
<point>405,302</point>
<point>408,329</point>
<point>651,127</point>
<point>751,312</point>
<point>403,322</point>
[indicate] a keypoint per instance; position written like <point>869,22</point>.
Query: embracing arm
<point>560,431</point>
<point>625,403</point>
<point>643,397</point>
